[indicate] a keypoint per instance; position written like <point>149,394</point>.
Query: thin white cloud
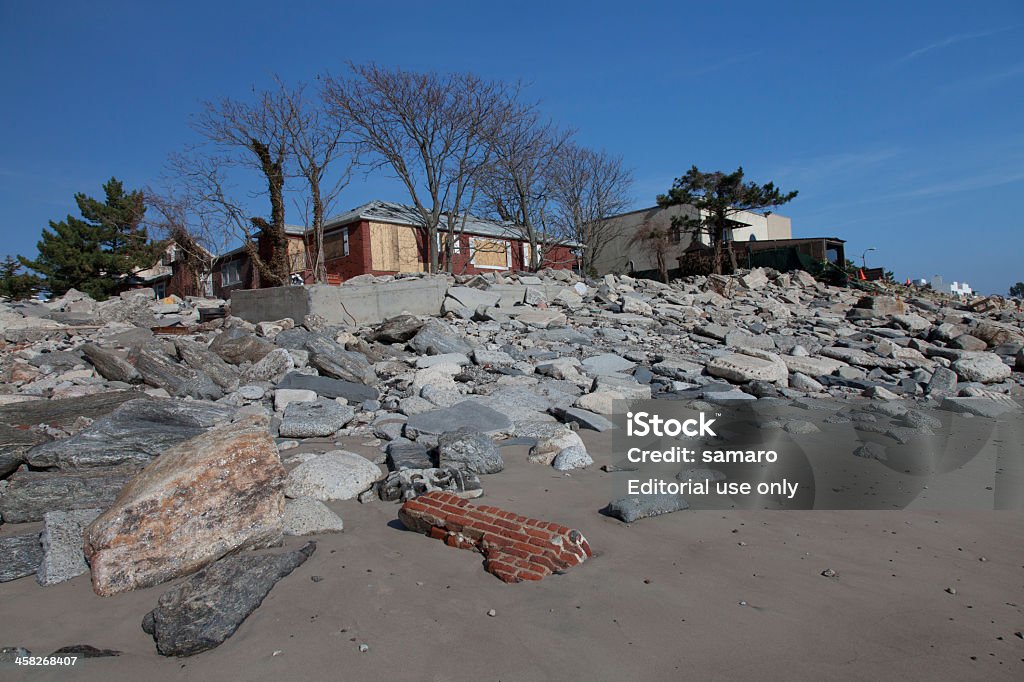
<point>830,166</point>
<point>952,40</point>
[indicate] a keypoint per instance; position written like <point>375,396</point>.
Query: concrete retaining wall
<point>348,304</point>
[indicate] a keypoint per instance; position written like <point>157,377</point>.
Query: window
<point>492,254</point>
<point>336,244</point>
<point>675,235</point>
<point>456,243</point>
<point>230,273</point>
<point>160,290</point>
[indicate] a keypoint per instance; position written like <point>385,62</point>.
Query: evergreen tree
<point>717,197</point>
<point>14,284</point>
<point>94,254</point>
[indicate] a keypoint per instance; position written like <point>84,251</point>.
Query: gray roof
<point>400,214</point>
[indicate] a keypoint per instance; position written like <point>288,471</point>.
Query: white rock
<point>283,396</point>
<point>307,516</point>
<point>335,475</point>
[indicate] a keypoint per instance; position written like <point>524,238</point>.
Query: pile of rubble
<point>152,445</point>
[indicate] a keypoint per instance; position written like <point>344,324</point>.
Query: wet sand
<point>660,600</point>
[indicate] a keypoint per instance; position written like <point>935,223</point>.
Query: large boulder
<point>468,414</point>
<point>160,371</point>
<point>197,356</point>
<point>214,494</point>
<point>135,432</point>
<point>335,475</point>
<point>62,536</point>
<point>20,556</point>
<point>330,388</point>
<point>984,367</point>
<point>397,329</point>
<point>333,360</point>
<point>110,365</point>
<point>207,608</point>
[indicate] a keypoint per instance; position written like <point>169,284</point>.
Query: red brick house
<point>384,238</point>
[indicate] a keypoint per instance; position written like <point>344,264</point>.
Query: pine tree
<point>94,254</point>
<point>14,284</point>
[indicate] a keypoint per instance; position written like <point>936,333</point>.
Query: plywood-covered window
<point>491,253</point>
<point>394,248</point>
<point>336,244</point>
<point>296,255</point>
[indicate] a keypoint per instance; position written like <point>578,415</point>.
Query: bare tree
<point>254,136</point>
<point>196,241</point>
<point>518,181</point>
<point>430,130</point>
<point>317,144</point>
<point>588,187</point>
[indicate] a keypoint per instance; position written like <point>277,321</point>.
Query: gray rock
<point>335,475</point>
<point>197,356</point>
<point>572,457</point>
<point>630,509</point>
<point>20,556</point>
<point>314,419</point>
<point>135,432</point>
<point>293,339</point>
<point>586,419</point>
<point>11,654</point>
<point>30,494</point>
<point>468,414</point>
<point>407,454</point>
<point>749,366</point>
<point>397,329</point>
<point>800,427</point>
<point>333,360</point>
<point>110,365</point>
<point>62,538</point>
<point>237,345</point>
<point>251,392</point>
<point>977,406</point>
<point>984,367</point>
<point>436,338</point>
<point>871,450</point>
<point>160,371</point>
<point>271,368</point>
<point>330,388</point>
<point>470,451</point>
<point>209,606</point>
<point>607,363</point>
<point>494,358</point>
<point>942,383</point>
<point>306,516</point>
<point>14,443</point>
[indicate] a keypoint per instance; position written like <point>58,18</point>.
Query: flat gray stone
<point>314,419</point>
<point>406,454</point>
<point>607,363</point>
<point>31,494</point>
<point>984,367</point>
<point>630,509</point>
<point>586,419</point>
<point>209,606</point>
<point>333,360</point>
<point>469,451</point>
<point>180,380</point>
<point>306,516</point>
<point>20,556</point>
<point>135,432</point>
<point>468,414</point>
<point>62,540</point>
<point>328,387</point>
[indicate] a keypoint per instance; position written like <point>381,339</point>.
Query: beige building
<point>623,254</point>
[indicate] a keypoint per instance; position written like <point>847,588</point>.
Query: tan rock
<point>214,494</point>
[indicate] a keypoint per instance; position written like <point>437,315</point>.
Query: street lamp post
<point>864,257</point>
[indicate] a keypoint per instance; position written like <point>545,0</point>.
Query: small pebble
<point>829,573</point>
<point>951,590</point>
<point>492,613</point>
<point>363,648</point>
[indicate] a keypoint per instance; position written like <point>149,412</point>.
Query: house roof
<point>400,214</point>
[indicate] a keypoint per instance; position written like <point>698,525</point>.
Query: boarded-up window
<point>336,244</point>
<point>490,253</point>
<point>393,248</point>
<point>296,255</point>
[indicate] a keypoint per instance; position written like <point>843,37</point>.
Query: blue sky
<point>900,123</point>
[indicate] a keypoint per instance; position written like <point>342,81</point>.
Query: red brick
<point>515,547</point>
